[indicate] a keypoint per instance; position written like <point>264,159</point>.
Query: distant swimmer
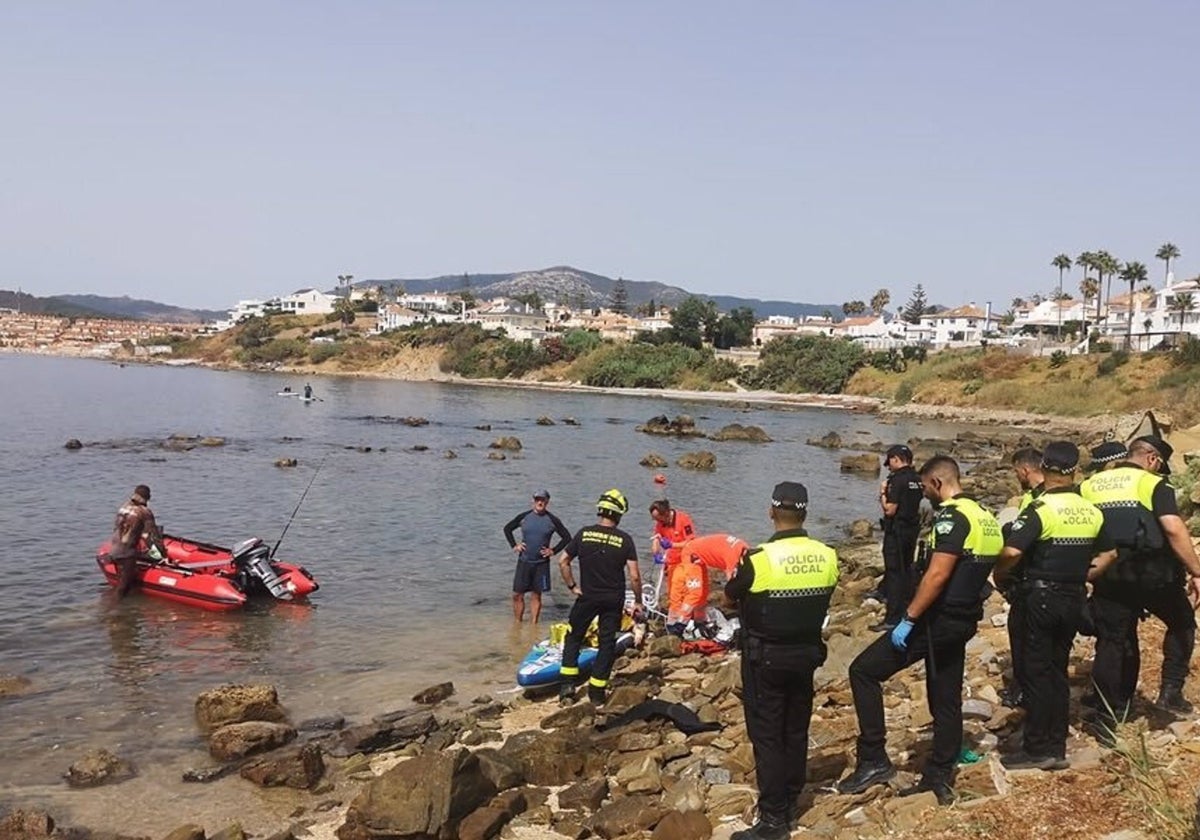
<point>134,523</point>
<point>308,394</point>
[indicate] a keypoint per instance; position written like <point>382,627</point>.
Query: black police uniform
<point>783,588</point>
<point>1146,577</point>
<point>1014,592</point>
<point>900,532</point>
<point>1058,535</point>
<point>939,638</point>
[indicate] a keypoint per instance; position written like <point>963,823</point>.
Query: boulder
<point>685,825</point>
<point>702,460</point>
<point>238,740</point>
<point>829,440</point>
<point>569,421</point>
<point>736,431</point>
<point>73,443</point>
<point>484,427</point>
<point>387,732</point>
<point>865,463</point>
<point>26,825</point>
<point>12,685</point>
<point>497,456</point>
<point>414,421</point>
<point>501,770</point>
<point>98,767</point>
<point>449,454</point>
<point>509,444</point>
<point>212,441</point>
<point>434,694</point>
<point>653,460</point>
<point>286,462</point>
<point>483,823</point>
<point>545,421</point>
<point>426,796</point>
<point>188,831</point>
<point>587,795</point>
<point>233,831</point>
<point>300,769</point>
<point>682,426</point>
<point>627,815</point>
<point>547,758</point>
<point>236,704</point>
<point>860,530</point>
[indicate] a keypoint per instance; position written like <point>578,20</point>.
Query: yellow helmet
<point>613,501</point>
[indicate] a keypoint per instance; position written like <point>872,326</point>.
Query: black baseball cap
<point>1109,451</point>
<point>789,495</point>
<point>541,494</point>
<point>1060,456</point>
<point>1164,450</point>
<point>900,451</point>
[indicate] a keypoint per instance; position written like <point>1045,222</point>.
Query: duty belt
<point>1054,585</point>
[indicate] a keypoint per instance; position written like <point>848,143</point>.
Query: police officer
<point>1107,455</point>
<point>783,589</point>
<point>1155,554</point>
<point>1062,542</point>
<point>936,627</point>
<point>900,501</point>
<point>605,554</point>
<point>1027,466</point>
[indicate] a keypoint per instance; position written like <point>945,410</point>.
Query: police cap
<point>789,495</point>
<point>1109,451</point>
<point>1164,450</point>
<point>1060,456</point>
<point>900,451</point>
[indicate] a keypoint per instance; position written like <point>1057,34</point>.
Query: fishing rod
<point>291,518</point>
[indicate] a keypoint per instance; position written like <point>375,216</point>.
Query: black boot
<point>763,830</point>
<point>596,695</point>
<point>939,788</point>
<point>1171,699</point>
<point>867,773</point>
<point>566,694</point>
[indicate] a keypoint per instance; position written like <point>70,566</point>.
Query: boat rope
<point>291,518</point>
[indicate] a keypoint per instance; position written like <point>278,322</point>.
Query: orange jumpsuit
<point>689,582</point>
<point>679,530</point>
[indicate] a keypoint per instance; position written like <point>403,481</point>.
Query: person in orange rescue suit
<point>1155,557</point>
<point>939,621</point>
<point>133,528</point>
<point>689,602</point>
<point>782,589</point>
<point>605,554</point>
<point>1062,543</point>
<point>672,528</point>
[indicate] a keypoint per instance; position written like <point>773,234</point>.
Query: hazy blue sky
<point>196,153</point>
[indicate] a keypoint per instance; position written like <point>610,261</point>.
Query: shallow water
<point>407,545</point>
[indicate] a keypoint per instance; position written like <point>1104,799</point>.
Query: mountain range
<point>96,306</point>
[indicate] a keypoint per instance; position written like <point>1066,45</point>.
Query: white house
<point>432,302</point>
<point>960,327</point>
<point>517,320</point>
<point>1049,314</point>
<point>307,302</point>
<point>866,326</point>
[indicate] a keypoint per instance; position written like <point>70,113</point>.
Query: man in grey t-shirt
<point>538,527</point>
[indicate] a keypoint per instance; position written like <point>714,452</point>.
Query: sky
<point>200,153</point>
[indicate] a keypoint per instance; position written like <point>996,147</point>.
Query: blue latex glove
<point>900,634</point>
<point>663,542</point>
<point>660,558</point>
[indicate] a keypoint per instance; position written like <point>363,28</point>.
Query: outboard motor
<point>253,557</point>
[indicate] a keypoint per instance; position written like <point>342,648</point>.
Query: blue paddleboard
<point>541,665</point>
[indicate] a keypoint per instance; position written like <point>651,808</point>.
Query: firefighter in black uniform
<point>783,589</point>
<point>900,501</point>
<point>936,627</point>
<point>1061,540</point>
<point>1155,555</point>
<point>1027,466</point>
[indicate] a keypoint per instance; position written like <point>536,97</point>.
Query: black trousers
<point>1117,610</point>
<point>1051,619</point>
<point>941,643</point>
<point>777,696</point>
<point>899,548</point>
<point>582,612</point>
<point>1016,635</point>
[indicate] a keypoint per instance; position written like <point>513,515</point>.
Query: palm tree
<point>1063,263</point>
<point>1132,273</point>
<point>1106,265</point>
<point>1088,287</point>
<point>1169,251</point>
<point>880,300</point>
<point>1182,303</point>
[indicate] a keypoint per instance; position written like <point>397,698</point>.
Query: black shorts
<point>532,577</point>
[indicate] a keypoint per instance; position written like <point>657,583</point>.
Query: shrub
<point>904,393</point>
<point>1058,358</point>
<point>810,363</point>
<point>274,351</point>
<point>972,387</point>
<point>638,365</point>
<point>1188,353</point>
<point>318,353</point>
<point>1110,364</point>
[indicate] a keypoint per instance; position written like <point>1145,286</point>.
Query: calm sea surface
<point>407,545</point>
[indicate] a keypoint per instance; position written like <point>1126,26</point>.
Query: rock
<point>98,767</point>
<point>286,462</point>
<point>668,645</point>
<point>26,825</point>
<point>12,685</point>
<point>484,427</point>
<point>689,825</point>
<point>230,832</point>
<point>420,447</point>
<point>730,800</point>
<point>653,460</point>
<point>545,421</point>
<point>434,694</point>
<point>681,426</point>
<point>702,460</point>
<point>323,723</point>
<point>449,454</point>
<point>626,816</point>
<point>300,769</point>
<point>238,704</point>
<point>572,716</point>
<point>547,758</point>
<point>73,443</point>
<point>866,463</point>
<point>587,795</point>
<point>414,421</point>
<point>387,732</point>
<point>190,831</point>
<point>736,431</point>
<point>860,530</point>
<point>976,708</point>
<point>499,769</point>
<point>497,456</point>
<point>510,444</point>
<point>687,794</point>
<point>829,440</point>
<point>483,823</point>
<point>212,441</point>
<point>625,697</point>
<point>425,796</point>
<point>569,421</point>
<point>238,740</point>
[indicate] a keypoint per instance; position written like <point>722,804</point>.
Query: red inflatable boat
<point>215,578</point>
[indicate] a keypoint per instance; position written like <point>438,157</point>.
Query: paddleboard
<point>541,665</point>
<point>287,393</point>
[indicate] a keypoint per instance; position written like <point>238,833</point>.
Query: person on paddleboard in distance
<point>605,553</point>
<point>307,391</point>
<point>538,527</point>
<point>134,523</point>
